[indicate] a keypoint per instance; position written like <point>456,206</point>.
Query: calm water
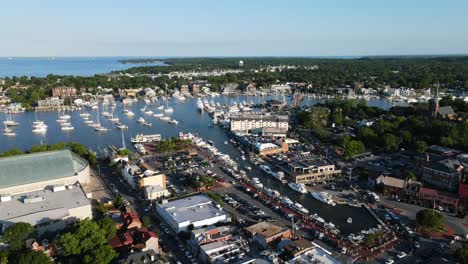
<point>79,66</point>
<point>190,120</point>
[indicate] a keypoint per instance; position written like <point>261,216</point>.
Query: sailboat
<point>38,126</point>
<point>8,132</point>
<point>112,118</point>
<point>10,121</point>
<point>99,128</point>
<point>168,109</point>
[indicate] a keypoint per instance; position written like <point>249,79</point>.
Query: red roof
<point>131,217</point>
<point>463,190</point>
<point>444,197</point>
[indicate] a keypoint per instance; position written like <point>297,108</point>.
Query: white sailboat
<point>8,132</point>
<point>10,121</point>
<point>99,127</point>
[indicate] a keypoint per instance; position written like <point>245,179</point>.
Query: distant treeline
<point>416,72</point>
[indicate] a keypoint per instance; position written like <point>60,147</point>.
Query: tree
<point>108,226</point>
<point>420,146</point>
<point>34,257</point>
<point>124,152</point>
<point>145,221</point>
<point>103,254</point>
<point>118,202</point>
<point>351,147</point>
<point>86,235</point>
<point>429,218</point>
<point>461,254</point>
<point>15,235</point>
<point>390,142</point>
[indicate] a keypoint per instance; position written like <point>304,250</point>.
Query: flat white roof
<point>41,206</point>
<point>194,208</point>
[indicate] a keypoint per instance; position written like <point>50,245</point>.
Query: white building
<point>244,123</point>
<point>51,208</point>
<point>36,171</point>
<point>198,210</point>
<point>153,192</point>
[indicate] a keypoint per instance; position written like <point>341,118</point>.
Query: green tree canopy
<point>34,257</point>
<point>108,226</point>
<point>461,254</point>
<point>429,218</point>
<point>16,234</point>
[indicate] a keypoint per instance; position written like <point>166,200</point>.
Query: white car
<point>389,261</point>
<point>401,255</point>
<point>416,244</point>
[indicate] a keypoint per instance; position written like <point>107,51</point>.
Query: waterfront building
<point>197,211</point>
<point>50,102</point>
<point>310,170</point>
<point>36,171</point>
<point>264,149</point>
<point>63,92</point>
<point>245,123</point>
<point>281,88</point>
<point>265,233</point>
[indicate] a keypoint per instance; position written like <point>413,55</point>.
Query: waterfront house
<point>309,170</point>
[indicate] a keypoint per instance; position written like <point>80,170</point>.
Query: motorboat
<point>279,176</point>
<point>146,124</point>
<point>122,126</point>
<point>158,115</point>
<point>285,200</point>
<point>169,110</point>
<point>324,197</point>
<point>100,129</point>
<point>266,169</point>
<point>148,112</point>
<point>140,138</point>
<point>67,128</point>
<point>141,120</point>
<point>298,187</point>
<point>161,107</point>
<point>65,117</point>
<point>300,208</point>
<point>165,118</point>
<point>173,121</point>
<point>129,113</point>
<point>40,129</point>
<point>349,220</point>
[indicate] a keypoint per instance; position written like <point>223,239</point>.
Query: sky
<point>232,28</point>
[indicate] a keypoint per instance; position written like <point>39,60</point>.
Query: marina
<point>190,120</point>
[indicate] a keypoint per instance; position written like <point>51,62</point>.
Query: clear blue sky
<point>232,28</point>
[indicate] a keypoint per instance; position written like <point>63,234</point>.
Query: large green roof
<point>37,167</point>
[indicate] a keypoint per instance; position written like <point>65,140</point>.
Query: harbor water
<point>190,120</point>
